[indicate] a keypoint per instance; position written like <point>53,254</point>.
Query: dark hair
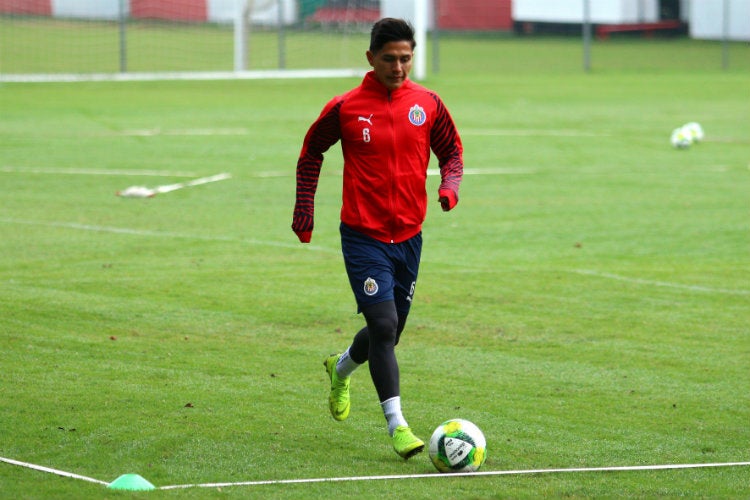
<point>389,29</point>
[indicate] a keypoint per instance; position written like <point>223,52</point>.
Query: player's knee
<point>383,329</point>
<point>382,323</point>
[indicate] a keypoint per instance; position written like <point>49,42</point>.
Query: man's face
<point>392,63</point>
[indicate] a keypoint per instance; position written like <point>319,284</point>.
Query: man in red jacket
<point>387,127</point>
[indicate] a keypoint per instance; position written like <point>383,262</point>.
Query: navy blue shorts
<point>381,271</point>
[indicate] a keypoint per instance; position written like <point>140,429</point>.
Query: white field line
<point>266,174</point>
<point>51,471</point>
<point>162,234</point>
<point>295,245</point>
<point>499,132</point>
<point>436,475</point>
<point>431,171</point>
<point>309,247</point>
<point>93,171</point>
<point>471,171</point>
<point>489,171</point>
<point>150,132</point>
<point>639,281</point>
<point>144,192</point>
<point>195,182</point>
<point>433,475</point>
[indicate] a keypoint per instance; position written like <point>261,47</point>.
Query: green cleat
<point>406,443</point>
<point>338,399</point>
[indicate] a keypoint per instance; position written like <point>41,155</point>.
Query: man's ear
<point>370,57</point>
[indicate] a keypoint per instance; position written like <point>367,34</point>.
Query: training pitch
<point>585,304</point>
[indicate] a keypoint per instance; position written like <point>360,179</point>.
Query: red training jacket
<point>386,139</point>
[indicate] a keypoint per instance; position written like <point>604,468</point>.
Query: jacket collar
<point>371,82</point>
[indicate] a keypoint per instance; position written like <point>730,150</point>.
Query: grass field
<point>586,304</point>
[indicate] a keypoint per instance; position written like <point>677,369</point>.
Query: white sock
<point>345,365</point>
<point>392,411</point>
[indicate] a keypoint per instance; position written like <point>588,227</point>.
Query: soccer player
<point>387,127</point>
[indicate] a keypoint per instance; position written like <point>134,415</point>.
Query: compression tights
<point>376,342</point>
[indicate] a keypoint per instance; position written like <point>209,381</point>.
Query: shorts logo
<point>417,116</point>
<point>410,297</point>
<point>371,287</point>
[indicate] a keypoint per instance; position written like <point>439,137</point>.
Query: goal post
<point>417,13</point>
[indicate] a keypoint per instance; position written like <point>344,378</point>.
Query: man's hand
<point>304,236</point>
<point>448,199</point>
<point>302,225</point>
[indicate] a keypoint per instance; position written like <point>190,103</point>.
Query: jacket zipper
<point>392,166</point>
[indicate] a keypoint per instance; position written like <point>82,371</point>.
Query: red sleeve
<point>446,144</point>
<point>322,134</point>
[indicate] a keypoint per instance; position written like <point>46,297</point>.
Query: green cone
<point>132,482</point>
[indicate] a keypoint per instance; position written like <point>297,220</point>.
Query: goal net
<point>52,40</point>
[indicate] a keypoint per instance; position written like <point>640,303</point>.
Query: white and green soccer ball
<point>681,138</point>
<point>457,445</point>
<point>695,131</point>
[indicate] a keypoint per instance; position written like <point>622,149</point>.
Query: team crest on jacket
<point>371,287</point>
<point>417,116</point>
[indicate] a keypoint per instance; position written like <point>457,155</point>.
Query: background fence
<point>45,39</point>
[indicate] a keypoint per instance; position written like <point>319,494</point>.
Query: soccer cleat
<point>406,443</point>
<point>338,399</point>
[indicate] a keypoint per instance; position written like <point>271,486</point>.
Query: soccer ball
<point>695,130</point>
<point>457,445</point>
<point>681,138</point>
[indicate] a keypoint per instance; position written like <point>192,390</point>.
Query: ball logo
<point>456,450</point>
<point>417,116</point>
<point>371,287</point>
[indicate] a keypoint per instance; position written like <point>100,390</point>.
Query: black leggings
<point>376,342</point>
